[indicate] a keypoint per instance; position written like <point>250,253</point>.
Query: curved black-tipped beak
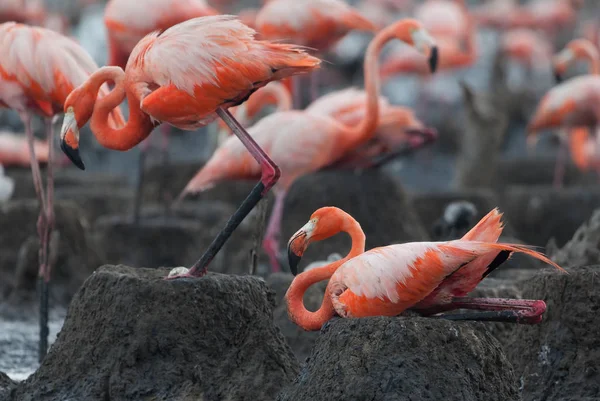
<point>433,59</point>
<point>293,260</point>
<point>72,154</point>
<point>558,77</point>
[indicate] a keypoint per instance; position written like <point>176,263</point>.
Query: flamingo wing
<point>219,64</point>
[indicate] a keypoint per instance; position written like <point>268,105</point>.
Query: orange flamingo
<point>429,277</point>
<point>43,67</point>
<point>14,150</point>
<point>578,136</point>
<point>317,24</point>
<point>310,141</point>
<point>187,76</point>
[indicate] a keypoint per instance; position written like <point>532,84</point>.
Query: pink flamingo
<point>429,277</point>
<point>41,67</point>
<point>310,141</point>
<point>187,76</point>
<point>317,24</point>
<point>14,150</point>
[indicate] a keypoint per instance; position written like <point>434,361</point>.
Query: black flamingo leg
<point>270,175</point>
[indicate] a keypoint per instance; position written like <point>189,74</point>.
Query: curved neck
<point>314,320</point>
<point>590,54</point>
<point>139,124</point>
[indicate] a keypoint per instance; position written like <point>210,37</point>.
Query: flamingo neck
<point>139,124</point>
<point>294,297</point>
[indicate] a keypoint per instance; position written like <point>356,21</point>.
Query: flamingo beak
<point>69,138</point>
<point>297,245</point>
<point>426,45</point>
<point>420,136</point>
<point>560,63</point>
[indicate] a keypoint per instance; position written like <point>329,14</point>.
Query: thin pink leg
<point>271,241</point>
<point>314,78</point>
<point>525,311</point>
<point>297,92</point>
<point>559,167</point>
<point>269,175</point>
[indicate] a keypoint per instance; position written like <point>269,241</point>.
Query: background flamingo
<point>310,141</point>
<point>216,63</point>
<point>40,70</point>
<point>14,150</point>
<point>430,277</point>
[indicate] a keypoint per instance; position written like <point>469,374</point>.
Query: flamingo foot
<point>270,175</point>
<point>523,311</point>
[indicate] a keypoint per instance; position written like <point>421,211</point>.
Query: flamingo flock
<point>191,63</point>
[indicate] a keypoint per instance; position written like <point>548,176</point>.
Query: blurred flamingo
<point>7,185</point>
<point>39,70</point>
<point>22,11</point>
<point>317,24</point>
<point>429,277</point>
<point>526,46</point>
<point>187,76</point>
<point>310,141</point>
<point>14,149</point>
<point>444,18</point>
<point>576,137</point>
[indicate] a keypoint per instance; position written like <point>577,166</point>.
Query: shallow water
<point>19,344</point>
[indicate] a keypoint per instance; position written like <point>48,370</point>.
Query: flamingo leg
<point>137,199</point>
<point>524,311</point>
<point>269,176</point>
<point>314,85</point>
<point>297,92</point>
<point>559,167</point>
<point>271,241</point>
<point>165,130</point>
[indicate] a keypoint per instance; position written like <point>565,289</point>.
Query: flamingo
<point>38,71</point>
<point>21,11</point>
<point>127,22</point>
<point>428,277</point>
<point>577,136</point>
<point>14,150</point>
<point>187,76</point>
<point>317,24</point>
<point>7,186</point>
<point>526,46</point>
<point>444,18</point>
<point>310,141</point>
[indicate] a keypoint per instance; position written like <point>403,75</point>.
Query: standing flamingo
<point>317,24</point>
<point>429,277</point>
<point>38,71</point>
<point>127,22</point>
<point>310,141</point>
<point>576,49</point>
<point>187,76</point>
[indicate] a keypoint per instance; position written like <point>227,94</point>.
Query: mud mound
<point>300,340</point>
<point>370,196</point>
<point>130,335</point>
<point>6,384</point>
<point>404,359</point>
<point>78,255</point>
<point>177,239</point>
<point>539,213</point>
<point>558,359</point>
<point>583,249</point>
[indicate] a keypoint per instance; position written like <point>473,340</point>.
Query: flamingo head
<point>576,49</point>
<point>78,110</point>
<point>324,223</point>
<point>413,33</point>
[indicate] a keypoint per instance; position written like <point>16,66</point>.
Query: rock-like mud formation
<point>374,199</point>
<point>130,335</point>
<point>558,359</point>
<point>399,358</point>
<point>583,249</point>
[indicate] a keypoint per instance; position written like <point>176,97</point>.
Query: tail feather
<point>488,229</point>
<point>520,249</point>
<point>287,60</point>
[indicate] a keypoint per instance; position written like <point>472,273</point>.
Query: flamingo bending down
<point>429,277</point>
<point>43,67</point>
<point>14,150</point>
<point>317,24</point>
<point>310,141</point>
<point>187,76</point>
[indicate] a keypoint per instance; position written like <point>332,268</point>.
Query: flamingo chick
<point>187,76</point>
<point>309,141</point>
<point>429,277</point>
